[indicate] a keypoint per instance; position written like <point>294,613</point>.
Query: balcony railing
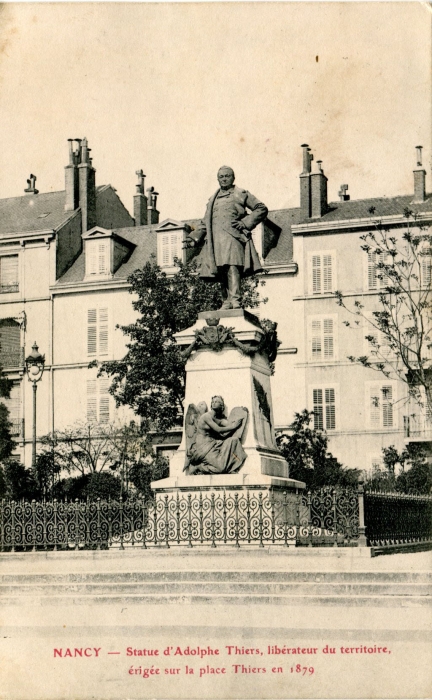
<point>8,288</point>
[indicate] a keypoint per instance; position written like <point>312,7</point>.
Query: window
<point>322,338</point>
<point>376,342</point>
<point>375,464</point>
<point>426,267</point>
<point>170,246</point>
<point>380,400</point>
<point>322,272</point>
<point>324,408</point>
<point>13,404</point>
<point>98,400</point>
<point>374,273</point>
<point>10,344</point>
<point>9,274</point>
<point>98,257</point>
<point>97,331</point>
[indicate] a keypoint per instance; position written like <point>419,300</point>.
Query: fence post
<point>55,524</point>
<point>362,541</point>
<point>309,507</point>
<point>2,525</point>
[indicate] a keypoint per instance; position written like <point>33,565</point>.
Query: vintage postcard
<point>215,350</point>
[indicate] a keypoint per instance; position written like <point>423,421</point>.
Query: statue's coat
<point>243,200</point>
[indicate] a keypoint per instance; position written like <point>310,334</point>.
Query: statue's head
<point>225,177</point>
<point>202,407</point>
<point>217,404</point>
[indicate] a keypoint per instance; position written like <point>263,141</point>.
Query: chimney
<point>87,187</point>
<point>343,193</point>
<point>305,182</point>
<point>140,201</point>
<point>419,178</point>
<point>318,191</point>
<point>71,177</point>
<point>31,185</point>
<point>152,212</point>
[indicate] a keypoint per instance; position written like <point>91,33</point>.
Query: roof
<point>144,240</point>
<point>144,237</point>
<point>34,212</point>
<point>384,206</point>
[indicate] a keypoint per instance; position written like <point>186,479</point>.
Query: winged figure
<point>213,442</point>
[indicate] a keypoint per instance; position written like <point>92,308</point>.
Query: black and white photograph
<point>215,350</point>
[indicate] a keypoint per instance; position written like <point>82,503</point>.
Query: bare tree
<point>400,329</point>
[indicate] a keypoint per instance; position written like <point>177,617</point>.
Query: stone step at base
<point>220,576</point>
<point>217,588</point>
<point>221,600</point>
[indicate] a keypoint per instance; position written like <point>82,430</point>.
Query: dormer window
<point>104,252</point>
<point>98,258</point>
<point>170,243</point>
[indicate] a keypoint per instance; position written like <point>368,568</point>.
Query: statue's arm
<point>196,236</point>
<point>257,214</point>
<point>222,429</point>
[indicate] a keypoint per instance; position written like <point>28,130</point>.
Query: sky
<point>181,89</point>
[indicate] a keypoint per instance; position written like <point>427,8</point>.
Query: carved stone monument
<point>228,352</point>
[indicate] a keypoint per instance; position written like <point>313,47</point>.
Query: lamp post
<point>35,364</point>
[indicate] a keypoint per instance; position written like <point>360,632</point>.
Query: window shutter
<point>91,257</point>
<point>387,406</point>
<point>374,405</point>
<point>327,273</point>
<point>318,409</point>
<point>316,274</point>
<point>173,251</point>
<point>165,250</point>
<point>372,279</point>
<point>328,338</point>
<point>103,331</point>
<point>330,408</point>
<point>103,267</point>
<point>92,331</point>
<point>13,404</point>
<point>316,340</point>
<point>92,400</point>
<point>104,412</point>
<point>10,346</point>
<point>9,273</point>
<point>426,270</point>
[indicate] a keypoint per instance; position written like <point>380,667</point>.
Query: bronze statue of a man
<point>229,252</point>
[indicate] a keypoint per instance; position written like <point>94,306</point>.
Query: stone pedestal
<point>242,380</point>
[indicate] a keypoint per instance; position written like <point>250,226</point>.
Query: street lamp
<point>35,364</point>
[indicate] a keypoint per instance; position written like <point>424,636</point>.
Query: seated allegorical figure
<point>213,441</point>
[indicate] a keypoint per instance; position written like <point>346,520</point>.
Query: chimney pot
<point>343,193</point>
<point>419,178</point>
<point>87,188</point>
<point>153,214</point>
<point>318,192</point>
<point>140,201</point>
<point>31,185</point>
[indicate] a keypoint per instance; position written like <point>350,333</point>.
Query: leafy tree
<point>415,475</point>
<point>100,461</point>
<point>151,376</point>
<point>401,329</point>
<point>87,448</point>
<point>305,450</point>
<point>102,485</point>
<point>17,482</point>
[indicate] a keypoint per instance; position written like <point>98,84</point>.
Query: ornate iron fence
<point>215,518</point>
<point>395,518</point>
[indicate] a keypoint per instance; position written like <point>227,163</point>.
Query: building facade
<point>64,263</point>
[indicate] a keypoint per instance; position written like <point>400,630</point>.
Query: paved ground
<point>35,638</point>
